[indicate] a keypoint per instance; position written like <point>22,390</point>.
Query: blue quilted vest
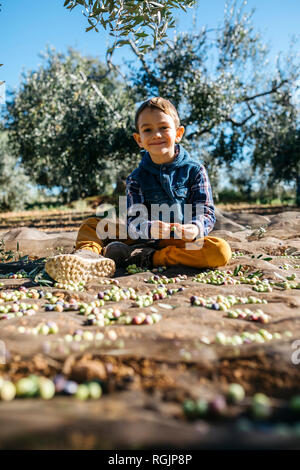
<point>167,183</point>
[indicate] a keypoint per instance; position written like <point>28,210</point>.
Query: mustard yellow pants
<point>210,252</point>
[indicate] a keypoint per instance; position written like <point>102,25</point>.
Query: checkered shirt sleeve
<point>203,210</point>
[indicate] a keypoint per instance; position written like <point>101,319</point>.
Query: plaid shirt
<point>199,197</point>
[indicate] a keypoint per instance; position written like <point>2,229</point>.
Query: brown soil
<point>147,377</point>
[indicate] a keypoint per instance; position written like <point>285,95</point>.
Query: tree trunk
<point>120,189</point>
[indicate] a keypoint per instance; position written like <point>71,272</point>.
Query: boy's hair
<point>159,103</point>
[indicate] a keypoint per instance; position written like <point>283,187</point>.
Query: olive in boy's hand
<point>186,232</point>
<point>160,230</point>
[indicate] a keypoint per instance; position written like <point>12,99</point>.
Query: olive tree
<point>221,83</point>
<point>277,142</point>
<point>15,189</point>
<point>69,132</point>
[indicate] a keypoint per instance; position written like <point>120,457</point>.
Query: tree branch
<point>205,130</point>
<point>100,94</point>
<point>240,124</point>
<point>258,95</point>
<point>144,63</point>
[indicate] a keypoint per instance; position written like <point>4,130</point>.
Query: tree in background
<point>131,19</point>
<point>69,132</point>
<point>277,141</point>
<point>14,184</point>
<point>73,134</point>
<point>222,85</point>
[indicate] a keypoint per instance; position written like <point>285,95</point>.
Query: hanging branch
<point>144,63</point>
<point>100,94</point>
<point>140,20</point>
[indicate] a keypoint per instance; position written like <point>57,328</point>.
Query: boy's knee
<point>90,222</point>
<point>219,253</point>
<point>225,253</point>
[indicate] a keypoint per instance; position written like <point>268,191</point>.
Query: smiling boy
<point>158,132</point>
<point>166,178</point>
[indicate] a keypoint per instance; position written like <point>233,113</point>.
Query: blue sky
<point>27,26</point>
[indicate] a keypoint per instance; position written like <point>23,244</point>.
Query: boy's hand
<point>186,232</point>
<point>160,230</point>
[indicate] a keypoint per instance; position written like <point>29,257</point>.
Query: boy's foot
<point>142,256</point>
<point>119,252</point>
<point>83,265</point>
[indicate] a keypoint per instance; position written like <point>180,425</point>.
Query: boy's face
<point>158,134</point>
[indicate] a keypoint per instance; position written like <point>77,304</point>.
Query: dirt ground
<point>148,371</point>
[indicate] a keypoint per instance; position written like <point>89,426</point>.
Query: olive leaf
<point>237,270</point>
<point>166,306</point>
<point>126,18</point>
